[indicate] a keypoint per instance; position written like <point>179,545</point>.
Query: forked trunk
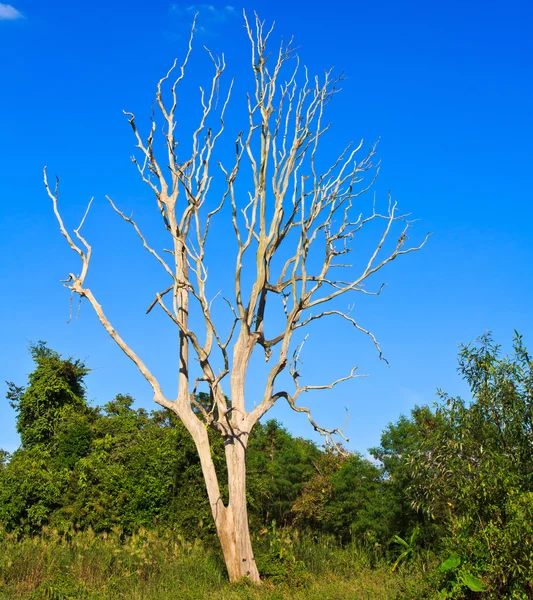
<point>231,521</point>
<point>232,528</point>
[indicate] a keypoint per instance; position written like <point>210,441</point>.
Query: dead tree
<point>294,212</point>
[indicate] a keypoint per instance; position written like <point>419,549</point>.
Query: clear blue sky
<point>447,86</point>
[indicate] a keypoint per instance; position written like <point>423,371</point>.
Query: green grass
<point>161,566</point>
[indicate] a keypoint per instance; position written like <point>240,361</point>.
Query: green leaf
<point>451,563</point>
<point>473,583</point>
<point>403,555</point>
<point>398,540</point>
<point>413,535</point>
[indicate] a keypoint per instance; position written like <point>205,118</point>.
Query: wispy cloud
<point>9,13</point>
<point>208,19</point>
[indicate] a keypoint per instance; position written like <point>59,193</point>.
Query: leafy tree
<point>356,509</point>
<point>309,508</point>
<point>344,498</point>
<point>279,465</point>
<point>53,423</point>
<point>399,441</point>
<point>473,470</point>
<point>32,488</point>
<point>55,388</point>
<point>141,470</point>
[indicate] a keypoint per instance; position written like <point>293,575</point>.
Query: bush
<point>472,470</point>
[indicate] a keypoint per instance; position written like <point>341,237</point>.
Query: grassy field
<point>152,566</point>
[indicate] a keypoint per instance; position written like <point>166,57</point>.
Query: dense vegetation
<point>97,501</point>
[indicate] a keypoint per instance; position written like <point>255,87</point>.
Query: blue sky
<point>447,86</point>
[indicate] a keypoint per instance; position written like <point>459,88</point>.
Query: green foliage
<point>141,470</point>
<point>4,458</point>
<point>31,489</point>
<point>343,498</point>
<point>279,562</point>
<point>408,548</point>
<point>456,579</point>
<point>122,467</point>
<point>472,470</point>
<point>399,441</point>
<point>55,386</point>
<point>357,509</point>
<point>279,466</point>
<point>450,563</point>
<point>310,507</point>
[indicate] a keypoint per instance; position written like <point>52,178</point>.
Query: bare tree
<point>296,223</point>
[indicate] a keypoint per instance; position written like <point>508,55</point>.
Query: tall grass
<point>155,565</point>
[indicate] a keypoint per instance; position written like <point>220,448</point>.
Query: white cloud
<point>209,16</point>
<point>9,13</point>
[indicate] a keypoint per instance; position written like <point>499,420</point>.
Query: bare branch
<point>329,434</point>
<point>350,320</point>
<point>76,285</point>
<point>159,295</point>
<point>129,220</point>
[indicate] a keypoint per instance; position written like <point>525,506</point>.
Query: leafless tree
<point>297,223</point>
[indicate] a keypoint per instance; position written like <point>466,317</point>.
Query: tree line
<point>454,479</point>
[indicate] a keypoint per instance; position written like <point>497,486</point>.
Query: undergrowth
<point>155,565</point>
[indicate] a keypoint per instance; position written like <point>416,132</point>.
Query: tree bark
<point>231,521</point>
<point>233,529</point>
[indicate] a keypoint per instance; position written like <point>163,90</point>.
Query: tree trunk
<point>233,529</point>
<point>231,521</point>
